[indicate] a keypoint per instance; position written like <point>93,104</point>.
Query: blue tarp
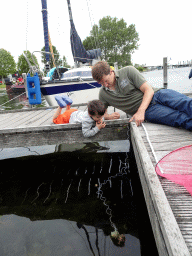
<point>50,73</point>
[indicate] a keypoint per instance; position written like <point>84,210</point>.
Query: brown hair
<point>96,107</point>
<point>99,69</point>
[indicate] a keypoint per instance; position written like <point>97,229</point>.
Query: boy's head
<point>96,109</point>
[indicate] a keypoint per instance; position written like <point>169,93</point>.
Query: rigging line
<point>68,191</point>
<point>32,151</point>
<point>121,189</point>
<point>100,192</point>
<point>120,165</point>
<point>49,192</point>
<point>80,235</point>
<point>25,195</point>
<point>79,185</point>
<point>27,23</point>
<point>94,36</point>
<point>97,241</point>
<point>12,99</point>
<point>37,192</point>
<point>88,239</point>
<point>110,165</point>
<point>11,87</point>
<point>89,187</point>
<point>87,83</point>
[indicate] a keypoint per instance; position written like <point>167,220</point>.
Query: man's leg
<point>174,100</point>
<point>160,114</point>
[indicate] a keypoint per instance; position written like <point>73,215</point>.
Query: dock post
<point>165,72</point>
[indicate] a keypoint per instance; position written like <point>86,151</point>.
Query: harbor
<point>125,190</point>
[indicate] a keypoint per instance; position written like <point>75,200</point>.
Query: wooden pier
<point>34,127</point>
<point>169,205</point>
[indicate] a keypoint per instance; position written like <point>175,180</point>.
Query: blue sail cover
<point>190,74</point>
<point>45,27</point>
<point>78,50</point>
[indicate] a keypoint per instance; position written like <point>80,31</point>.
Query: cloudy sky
<point>164,26</point>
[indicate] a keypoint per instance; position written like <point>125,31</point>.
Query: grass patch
<point>2,85</point>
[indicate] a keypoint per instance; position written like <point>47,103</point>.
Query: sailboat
<point>77,83</point>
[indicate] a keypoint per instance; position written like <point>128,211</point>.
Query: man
<point>129,91</point>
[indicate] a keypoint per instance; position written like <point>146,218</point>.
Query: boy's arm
<point>57,113</point>
<point>88,131</point>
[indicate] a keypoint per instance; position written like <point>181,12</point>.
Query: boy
<point>94,115</point>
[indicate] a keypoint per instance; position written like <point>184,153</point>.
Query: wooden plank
<point>39,118</point>
<point>22,117</point>
<point>48,118</point>
<point>167,234</point>
<point>11,120</point>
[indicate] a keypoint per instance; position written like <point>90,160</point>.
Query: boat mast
<point>69,8</point>
<point>71,22</point>
<point>45,27</point>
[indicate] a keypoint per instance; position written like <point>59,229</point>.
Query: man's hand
<point>139,117</point>
<point>114,115</point>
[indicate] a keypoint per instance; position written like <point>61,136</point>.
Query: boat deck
<point>169,205</point>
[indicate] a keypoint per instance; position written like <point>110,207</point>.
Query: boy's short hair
<point>96,107</point>
<point>99,69</point>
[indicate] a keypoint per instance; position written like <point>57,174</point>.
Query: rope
<point>11,87</point>
<point>12,99</point>
<point>87,83</point>
<point>95,36</point>
<point>123,170</point>
<point>27,23</point>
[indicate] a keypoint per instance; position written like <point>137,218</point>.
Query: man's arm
<point>114,115</point>
<point>139,116</point>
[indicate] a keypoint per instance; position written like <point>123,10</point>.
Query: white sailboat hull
<point>79,92</point>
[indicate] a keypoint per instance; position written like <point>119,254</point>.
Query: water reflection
<point>50,205</point>
<point>107,146</point>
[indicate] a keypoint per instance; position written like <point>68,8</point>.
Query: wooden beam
<point>169,239</point>
<point>63,133</point>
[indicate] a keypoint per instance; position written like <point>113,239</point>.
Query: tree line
<point>9,66</point>
<point>116,40</point>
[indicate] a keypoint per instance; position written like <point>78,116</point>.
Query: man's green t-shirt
<point>127,95</point>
